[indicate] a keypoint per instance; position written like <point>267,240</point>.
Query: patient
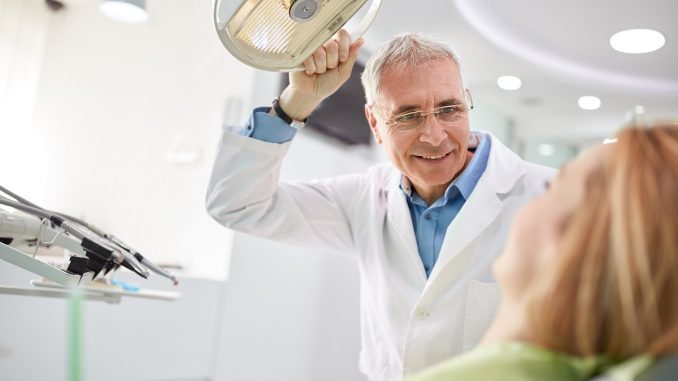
<point>589,276</point>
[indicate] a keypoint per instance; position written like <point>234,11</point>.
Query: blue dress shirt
<point>269,128</point>
<point>430,222</point>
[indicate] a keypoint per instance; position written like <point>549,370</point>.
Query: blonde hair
<point>614,286</point>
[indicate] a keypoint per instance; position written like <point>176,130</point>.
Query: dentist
<point>425,228</point>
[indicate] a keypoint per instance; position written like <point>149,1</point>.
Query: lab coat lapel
<point>400,220</point>
<point>479,211</point>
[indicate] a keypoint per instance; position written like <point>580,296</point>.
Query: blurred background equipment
<point>90,256</point>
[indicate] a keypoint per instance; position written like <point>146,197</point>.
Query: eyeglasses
<point>444,114</point>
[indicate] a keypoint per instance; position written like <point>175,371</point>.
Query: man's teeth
<point>434,157</point>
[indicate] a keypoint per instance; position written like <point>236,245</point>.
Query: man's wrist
<point>297,105</point>
<point>277,110</point>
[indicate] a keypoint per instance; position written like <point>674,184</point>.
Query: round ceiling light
<point>509,82</point>
<point>637,41</point>
<point>126,11</point>
<point>589,102</point>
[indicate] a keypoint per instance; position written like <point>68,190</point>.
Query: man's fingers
<point>344,41</point>
<point>309,65</point>
<point>353,53</point>
<point>320,59</point>
<point>332,54</point>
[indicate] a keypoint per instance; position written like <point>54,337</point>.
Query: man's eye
<point>408,117</point>
<point>547,185</point>
<point>447,110</point>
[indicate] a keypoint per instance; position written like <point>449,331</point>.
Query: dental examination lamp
<point>279,35</point>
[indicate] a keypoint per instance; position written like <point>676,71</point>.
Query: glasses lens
<point>450,114</point>
<point>412,120</point>
<point>408,121</point>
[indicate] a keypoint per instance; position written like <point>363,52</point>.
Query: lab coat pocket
<point>482,302</point>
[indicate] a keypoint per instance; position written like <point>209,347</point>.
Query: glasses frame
<point>394,124</point>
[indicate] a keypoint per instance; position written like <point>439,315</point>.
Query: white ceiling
<point>560,50</point>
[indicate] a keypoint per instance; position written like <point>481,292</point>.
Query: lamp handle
<point>365,23</point>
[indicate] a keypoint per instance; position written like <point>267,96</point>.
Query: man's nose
<point>432,131</point>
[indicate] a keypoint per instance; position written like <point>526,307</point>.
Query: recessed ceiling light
<point>636,41</point>
<point>509,82</point>
<point>639,109</point>
<point>546,149</point>
<point>126,11</point>
<point>589,102</point>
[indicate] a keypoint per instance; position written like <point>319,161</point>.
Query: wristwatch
<point>298,124</point>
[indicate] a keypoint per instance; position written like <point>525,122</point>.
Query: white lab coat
<point>408,321</point>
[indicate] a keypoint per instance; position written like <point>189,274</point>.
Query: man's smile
<point>433,157</point>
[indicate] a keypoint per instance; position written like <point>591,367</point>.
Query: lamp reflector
<point>278,35</point>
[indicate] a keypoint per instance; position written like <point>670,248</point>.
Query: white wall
<point>23,28</point>
<point>561,151</point>
<point>288,314</point>
<point>136,340</point>
<point>484,117</point>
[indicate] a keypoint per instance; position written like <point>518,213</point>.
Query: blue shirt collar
<point>466,181</point>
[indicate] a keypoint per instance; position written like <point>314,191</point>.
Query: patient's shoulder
<point>511,362</point>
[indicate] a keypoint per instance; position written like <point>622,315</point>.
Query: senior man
<point>425,228</point>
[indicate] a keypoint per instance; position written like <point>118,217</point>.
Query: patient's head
<point>537,229</point>
<point>595,259</point>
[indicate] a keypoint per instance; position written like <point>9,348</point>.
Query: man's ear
<point>372,120</point>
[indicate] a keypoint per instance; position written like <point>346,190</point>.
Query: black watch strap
<point>282,114</point>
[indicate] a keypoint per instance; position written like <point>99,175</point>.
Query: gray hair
<point>404,51</point>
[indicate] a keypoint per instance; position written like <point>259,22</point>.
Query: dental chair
<point>664,369</point>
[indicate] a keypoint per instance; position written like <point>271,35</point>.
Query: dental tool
<point>130,254</point>
<point>100,254</point>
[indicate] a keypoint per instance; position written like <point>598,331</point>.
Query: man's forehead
<point>438,81</point>
<point>414,68</point>
<point>422,97</point>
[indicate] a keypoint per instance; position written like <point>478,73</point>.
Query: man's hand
<point>325,71</point>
